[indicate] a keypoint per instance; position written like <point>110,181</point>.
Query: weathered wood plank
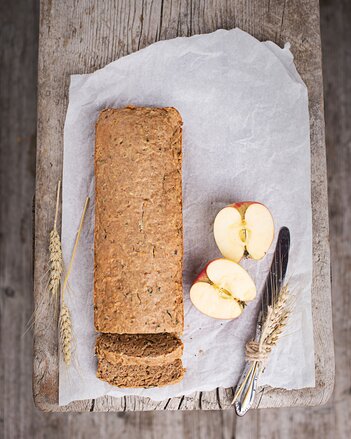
<point>334,418</point>
<point>29,422</point>
<point>337,85</point>
<point>82,38</point>
<point>18,47</point>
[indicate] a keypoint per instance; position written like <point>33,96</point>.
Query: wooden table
<point>80,37</point>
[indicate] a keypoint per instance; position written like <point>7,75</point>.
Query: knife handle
<point>246,390</point>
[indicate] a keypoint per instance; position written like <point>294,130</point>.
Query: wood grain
<point>86,35</point>
<point>17,169</point>
<point>333,420</point>
<point>18,416</point>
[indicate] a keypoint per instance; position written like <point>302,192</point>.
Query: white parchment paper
<point>246,137</point>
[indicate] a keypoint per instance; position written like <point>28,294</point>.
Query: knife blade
<point>247,385</point>
<point>276,275</point>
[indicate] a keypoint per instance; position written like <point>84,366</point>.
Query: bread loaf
<point>138,247</point>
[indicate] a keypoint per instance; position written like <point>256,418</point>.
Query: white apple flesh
<point>241,228</point>
<point>221,288</point>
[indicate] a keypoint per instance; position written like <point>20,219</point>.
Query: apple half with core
<point>244,229</point>
<point>222,289</point>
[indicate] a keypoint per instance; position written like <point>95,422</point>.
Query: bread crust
<point>138,241</point>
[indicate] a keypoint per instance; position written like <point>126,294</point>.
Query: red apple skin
<point>202,277</point>
<point>243,205</point>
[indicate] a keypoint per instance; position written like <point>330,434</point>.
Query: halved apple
<point>221,290</point>
<point>244,228</point>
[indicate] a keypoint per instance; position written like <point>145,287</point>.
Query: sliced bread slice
<point>139,360</point>
<point>137,375</point>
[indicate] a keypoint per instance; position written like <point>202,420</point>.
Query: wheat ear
<point>275,322</point>
<point>65,321</point>
<point>55,252</point>
<point>65,333</point>
<point>273,326</point>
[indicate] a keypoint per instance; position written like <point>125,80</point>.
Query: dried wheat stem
<point>65,323</point>
<point>273,326</point>
<point>57,202</point>
<point>75,247</point>
<point>55,252</point>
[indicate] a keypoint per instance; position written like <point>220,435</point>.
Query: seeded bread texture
<point>122,375</point>
<point>138,247</point>
<point>139,349</point>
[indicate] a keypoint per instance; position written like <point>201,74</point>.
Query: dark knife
<point>276,275</point>
<point>247,385</point>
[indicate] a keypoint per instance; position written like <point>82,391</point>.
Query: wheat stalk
<point>70,265</point>
<point>257,352</point>
<point>275,321</point>
<point>273,326</point>
<point>55,252</point>
<point>65,321</point>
